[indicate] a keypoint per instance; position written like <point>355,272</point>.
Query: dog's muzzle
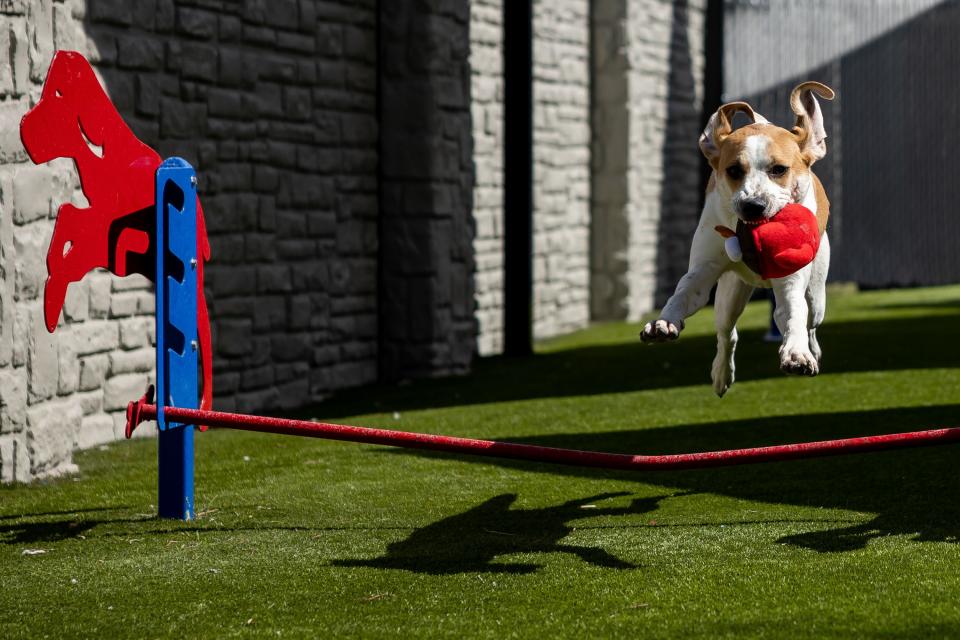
<point>751,211</point>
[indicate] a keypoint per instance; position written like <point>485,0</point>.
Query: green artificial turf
<point>308,538</point>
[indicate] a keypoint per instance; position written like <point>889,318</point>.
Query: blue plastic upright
<point>177,384</point>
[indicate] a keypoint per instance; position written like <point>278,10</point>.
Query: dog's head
<point>759,168</point>
<point>56,126</point>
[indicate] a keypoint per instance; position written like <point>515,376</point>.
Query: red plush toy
<point>778,246</point>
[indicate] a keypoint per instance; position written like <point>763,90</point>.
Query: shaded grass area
<point>306,538</point>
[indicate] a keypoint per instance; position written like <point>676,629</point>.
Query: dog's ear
<point>809,131</point>
<point>720,126</point>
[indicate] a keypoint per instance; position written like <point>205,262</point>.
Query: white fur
<point>801,298</point>
<point>757,184</point>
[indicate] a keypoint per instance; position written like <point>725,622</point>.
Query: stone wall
<point>350,155</point>
<point>486,68</point>
<point>427,324</point>
<point>617,101</point>
<point>561,172</point>
<point>275,105</point>
<point>647,95</point>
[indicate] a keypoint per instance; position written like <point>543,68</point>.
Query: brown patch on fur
<point>732,146</point>
<point>712,182</point>
<point>823,205</point>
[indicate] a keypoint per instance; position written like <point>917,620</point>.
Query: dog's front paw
<point>660,331</point>
<point>799,362</point>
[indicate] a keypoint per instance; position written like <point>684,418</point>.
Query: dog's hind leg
<point>732,296</point>
<point>817,295</point>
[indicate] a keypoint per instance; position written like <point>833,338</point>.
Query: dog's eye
<point>735,171</point>
<point>777,170</point>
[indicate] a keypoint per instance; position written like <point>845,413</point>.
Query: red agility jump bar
<point>142,410</point>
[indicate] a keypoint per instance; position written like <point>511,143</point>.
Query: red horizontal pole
<point>139,411</point>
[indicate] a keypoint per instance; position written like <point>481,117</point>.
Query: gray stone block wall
<point>647,95</point>
<point>275,105</point>
<point>274,102</point>
<point>428,326</point>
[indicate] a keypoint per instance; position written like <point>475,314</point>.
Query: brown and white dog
<point>757,170</point>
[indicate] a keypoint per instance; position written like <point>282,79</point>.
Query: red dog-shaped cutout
<point>76,119</point>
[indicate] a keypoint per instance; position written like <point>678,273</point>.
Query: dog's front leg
<point>791,318</point>
<point>691,294</point>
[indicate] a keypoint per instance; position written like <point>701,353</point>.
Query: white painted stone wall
<point>648,65</point>
<point>561,156</point>
<point>561,173</point>
<point>69,389</point>
<point>616,164</point>
<point>486,67</point>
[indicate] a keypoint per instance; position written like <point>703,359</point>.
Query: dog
<point>757,170</point>
<point>75,118</point>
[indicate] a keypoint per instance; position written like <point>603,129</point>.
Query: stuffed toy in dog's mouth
<point>774,247</point>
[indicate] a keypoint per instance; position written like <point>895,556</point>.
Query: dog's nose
<point>752,209</point>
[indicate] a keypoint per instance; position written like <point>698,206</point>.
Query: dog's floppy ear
<point>720,126</point>
<point>809,131</point>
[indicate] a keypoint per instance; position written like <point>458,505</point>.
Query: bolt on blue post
<point>177,384</point>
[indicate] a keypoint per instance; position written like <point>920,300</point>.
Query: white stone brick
<point>120,390</point>
<point>93,371</point>
<point>96,336</point>
<point>76,306</point>
<point>33,187</point>
<point>98,285</point>
<point>13,400</point>
<point>19,62</point>
<point>40,37</point>
<point>30,247</point>
<point>137,361</point>
<point>14,459</point>
<point>90,402</point>
<point>67,30</point>
<point>51,431</point>
<point>44,360</point>
<point>137,332</point>
<point>11,149</point>
<point>134,281</point>
<point>94,430</point>
<point>123,304</point>
<point>69,365</point>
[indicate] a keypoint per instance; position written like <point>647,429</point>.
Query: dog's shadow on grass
<point>911,492</point>
<point>471,541</point>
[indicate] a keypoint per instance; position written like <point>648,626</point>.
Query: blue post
<point>176,245</point>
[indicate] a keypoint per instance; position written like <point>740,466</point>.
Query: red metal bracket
<point>136,413</point>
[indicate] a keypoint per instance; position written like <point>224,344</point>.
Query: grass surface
<point>306,538</point>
